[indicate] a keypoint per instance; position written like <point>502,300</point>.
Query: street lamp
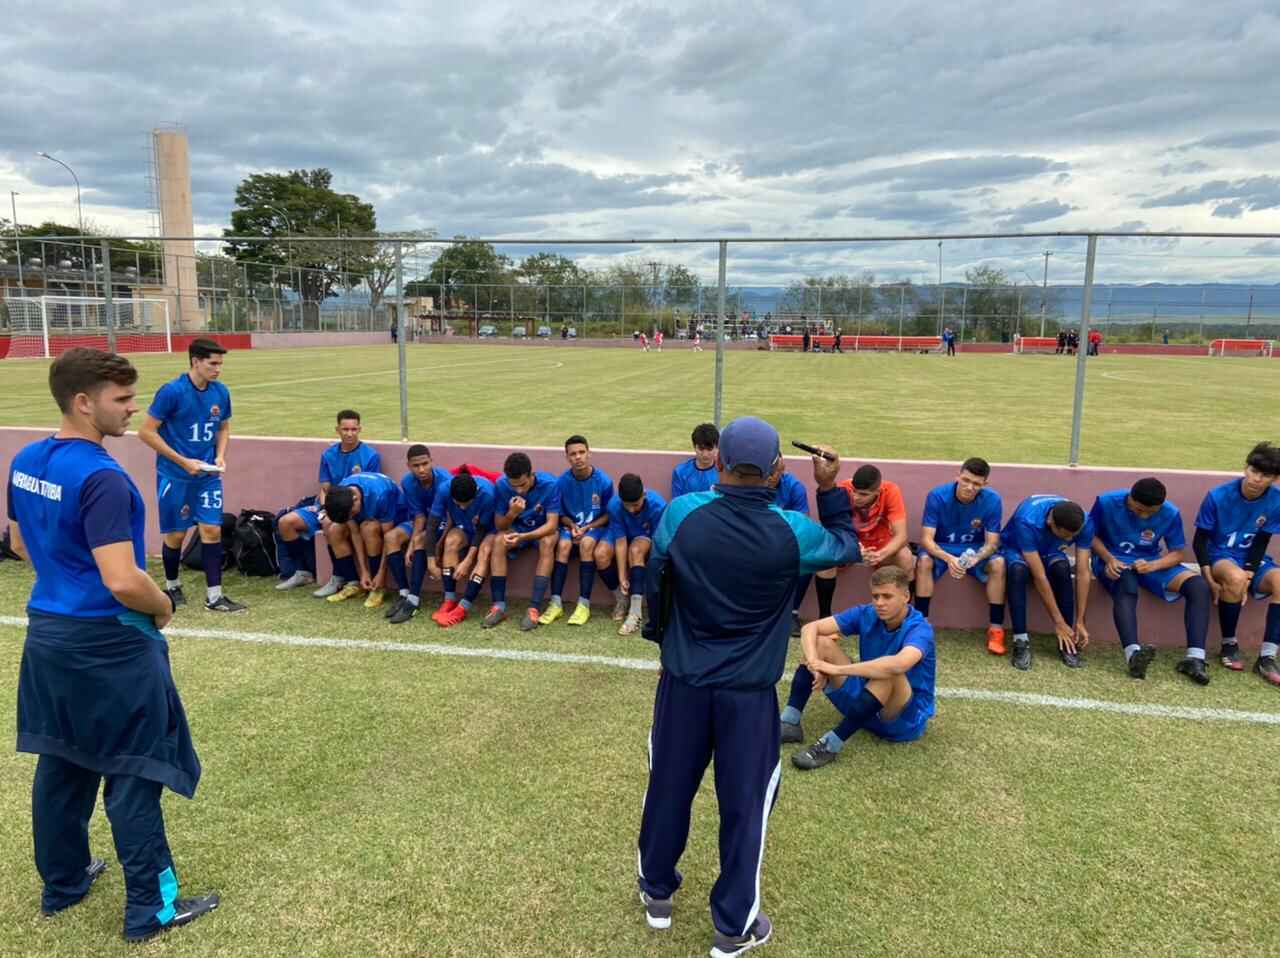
<point>17,241</point>
<point>1044,290</point>
<point>79,208</point>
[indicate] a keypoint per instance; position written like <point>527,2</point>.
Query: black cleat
<point>815,756</point>
<point>792,733</point>
<point>726,946</point>
<point>94,870</point>
<point>1267,668</point>
<point>224,604</point>
<point>185,911</point>
<point>395,607</point>
<point>405,611</point>
<point>1230,656</point>
<point>1072,659</point>
<point>1194,670</point>
<point>657,911</point>
<point>1022,655</point>
<point>1139,661</point>
<point>795,625</point>
<point>176,597</point>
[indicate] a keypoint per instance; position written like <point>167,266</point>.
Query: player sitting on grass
<point>1128,526</point>
<point>633,516</point>
<point>889,692</point>
<point>1233,529</point>
<point>420,486</point>
<point>346,457</point>
<point>1032,544</point>
<point>960,534</point>
<point>585,493</point>
<point>362,509</point>
<point>526,513</point>
<point>468,505</point>
<point>699,473</point>
<point>791,495</point>
<point>880,519</point>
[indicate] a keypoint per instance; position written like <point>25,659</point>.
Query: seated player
<point>880,519</point>
<point>960,535</point>
<point>346,457</point>
<point>585,492</point>
<point>1032,543</point>
<point>889,691</point>
<point>420,486</point>
<point>526,514</point>
<point>633,516</point>
<point>362,509</point>
<point>468,505</point>
<point>791,495</point>
<point>699,473</point>
<point>1233,529</point>
<point>1128,526</point>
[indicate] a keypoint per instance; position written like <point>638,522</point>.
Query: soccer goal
<point>1035,344</point>
<point>1240,347</point>
<point>46,326</point>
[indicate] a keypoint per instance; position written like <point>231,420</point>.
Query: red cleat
<point>452,617</point>
<point>448,606</point>
<point>995,640</point>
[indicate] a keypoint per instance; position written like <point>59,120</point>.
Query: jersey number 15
<point>202,432</point>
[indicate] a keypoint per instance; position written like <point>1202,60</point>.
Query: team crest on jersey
<point>595,500</point>
<point>186,510</point>
<point>214,411</point>
<point>1262,521</point>
<point>1148,535</point>
<point>975,524</point>
<point>354,470</point>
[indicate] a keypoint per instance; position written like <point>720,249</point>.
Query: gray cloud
<point>1241,140</point>
<point>956,173</point>
<point>1254,193</point>
<point>1036,212</point>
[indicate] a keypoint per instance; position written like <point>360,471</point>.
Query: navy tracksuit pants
<point>691,725</point>
<point>62,801</point>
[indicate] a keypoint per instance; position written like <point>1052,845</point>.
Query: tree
<point>380,266</point>
<point>464,274</point>
<point>130,262</point>
<point>995,308</point>
<point>843,297</point>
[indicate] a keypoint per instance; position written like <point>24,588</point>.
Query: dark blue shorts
<point>907,727</point>
<point>185,502</point>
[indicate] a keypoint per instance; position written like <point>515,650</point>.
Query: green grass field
<point>366,802</point>
<point>1151,411</point>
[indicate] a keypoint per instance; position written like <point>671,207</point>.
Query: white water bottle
<point>967,557</point>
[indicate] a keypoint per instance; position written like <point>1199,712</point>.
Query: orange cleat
<point>995,640</point>
<point>453,617</point>
<point>448,606</point>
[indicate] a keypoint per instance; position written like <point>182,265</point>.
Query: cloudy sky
<point>732,119</point>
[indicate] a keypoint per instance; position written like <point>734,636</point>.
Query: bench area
<point>788,341</point>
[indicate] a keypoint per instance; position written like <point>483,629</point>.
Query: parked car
<point>573,332</point>
<point>544,332</point>
<point>487,330</point>
<point>518,332</point>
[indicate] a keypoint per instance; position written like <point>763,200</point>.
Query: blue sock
<point>473,591</point>
<point>586,581</point>
<point>995,614</point>
<point>865,707</point>
<point>1228,619</point>
<point>450,584</point>
<point>297,552</point>
<point>539,590</point>
<point>922,603</point>
<point>559,573</point>
<point>395,563</point>
<point>791,715</point>
<point>211,554</point>
<point>802,587</point>
<point>609,576</point>
<point>345,568</point>
<point>498,589</point>
<point>637,580</point>
<point>418,572</point>
<point>1018,581</point>
<point>170,557</point>
<point>1196,615</point>
<point>375,563</point>
<point>801,689</point>
<point>1271,632</point>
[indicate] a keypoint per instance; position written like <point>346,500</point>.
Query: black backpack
<point>193,557</point>
<point>253,543</point>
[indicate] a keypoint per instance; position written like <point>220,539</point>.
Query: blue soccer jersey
<point>961,524</point>
<point>336,465</point>
<point>540,501</point>
<point>1128,536</point>
<point>190,420</point>
<point>791,494</point>
<point>381,497</point>
<point>636,525</point>
<point>687,477</point>
<point>1028,529</point>
<point>585,500</point>
<point>476,518</point>
<point>421,500</point>
<point>1232,520</point>
<point>69,497</point>
<point>875,641</point>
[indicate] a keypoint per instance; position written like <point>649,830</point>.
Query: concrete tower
<point>173,192</point>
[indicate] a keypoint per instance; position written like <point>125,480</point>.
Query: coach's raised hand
<point>825,470</point>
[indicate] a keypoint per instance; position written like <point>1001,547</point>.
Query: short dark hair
<point>1148,492</point>
<point>706,435</point>
<point>416,450</point>
<point>576,440</point>
<point>1265,458</point>
<point>348,414</point>
<point>338,503</point>
<point>1068,516</point>
<point>462,487</point>
<point>84,370</point>
<point>517,466</point>
<point>204,348</point>
<point>866,477</point>
<point>976,466</point>
<point>630,487</point>
<point>891,575</point>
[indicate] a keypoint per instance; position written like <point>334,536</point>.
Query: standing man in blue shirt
<point>949,340</point>
<point>585,493</point>
<point>96,697</point>
<point>1233,529</point>
<point>189,425</point>
<point>698,474</point>
<point>719,583</point>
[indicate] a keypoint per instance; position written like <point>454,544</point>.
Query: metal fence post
<point>719,396</point>
<point>400,347</point>
<point>964,306</point>
<point>1077,409</point>
<point>107,302</point>
<point>902,306</point>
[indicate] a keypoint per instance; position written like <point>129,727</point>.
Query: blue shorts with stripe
<point>907,727</point>
<point>604,534</point>
<point>1157,583</point>
<point>184,502</point>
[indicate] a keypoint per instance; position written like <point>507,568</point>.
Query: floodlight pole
<point>400,350</point>
<point>1082,352</point>
<point>106,296</point>
<point>1044,290</point>
<point>17,240</point>
<point>719,398</point>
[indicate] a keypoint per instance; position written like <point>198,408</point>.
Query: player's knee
<point>604,554</point>
<point>1019,574</point>
<point>564,549</point>
<point>546,545</point>
<point>638,553</point>
<point>586,549</point>
<point>827,573</point>
<point>210,533</point>
<point>924,565</point>
<point>995,567</point>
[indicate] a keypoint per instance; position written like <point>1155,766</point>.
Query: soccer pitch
<point>359,800</point>
<point>1185,412</point>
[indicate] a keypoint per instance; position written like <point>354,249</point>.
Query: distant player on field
<point>644,342</point>
<point>697,339</point>
<point>949,340</point>
<point>421,486</point>
<point>633,516</point>
<point>657,339</point>
<point>189,425</point>
<point>526,513</point>
<point>362,509</point>
<point>585,493</point>
<point>699,473</point>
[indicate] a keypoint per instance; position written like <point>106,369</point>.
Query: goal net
<point>1240,347</point>
<point>46,326</point>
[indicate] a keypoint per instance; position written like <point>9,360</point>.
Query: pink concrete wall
<point>265,473</point>
<point>286,340</point>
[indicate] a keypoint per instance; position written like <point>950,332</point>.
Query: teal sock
<point>791,715</point>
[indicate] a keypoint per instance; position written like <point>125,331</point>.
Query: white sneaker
<point>298,578</point>
<point>332,587</point>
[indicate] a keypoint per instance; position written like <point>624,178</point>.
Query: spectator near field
<point>526,514</point>
<point>697,339</point>
<point>633,516</point>
<point>838,342</point>
<point>421,486</point>
<point>806,340</point>
<point>949,340</point>
<point>362,509</point>
<point>1062,342</point>
<point>1233,529</point>
<point>889,692</point>
<point>585,530</point>
<point>1128,527</point>
<point>1032,544</point>
<point>880,520</point>
<point>189,425</point>
<point>698,474</point>
<point>1095,342</point>
<point>468,503</point>
<point>791,495</point>
<point>346,457</point>
<point>960,535</point>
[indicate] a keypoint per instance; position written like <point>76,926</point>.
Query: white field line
<point>648,665</point>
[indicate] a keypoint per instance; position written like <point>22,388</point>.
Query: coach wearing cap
<point>721,577</point>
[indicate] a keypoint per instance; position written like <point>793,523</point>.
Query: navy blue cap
<point>748,441</point>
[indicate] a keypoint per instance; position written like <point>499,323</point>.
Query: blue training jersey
<point>539,502</point>
<point>190,420</point>
<point>585,500</point>
<point>791,494</point>
<point>636,525</point>
<point>382,498</point>
<point>1232,520</point>
<point>1028,528</point>
<point>955,523</point>
<point>875,641</point>
<point>421,500</point>
<point>687,477</point>
<point>336,465</point>
<point>1129,537</point>
<point>69,497</point>
<point>476,517</point>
